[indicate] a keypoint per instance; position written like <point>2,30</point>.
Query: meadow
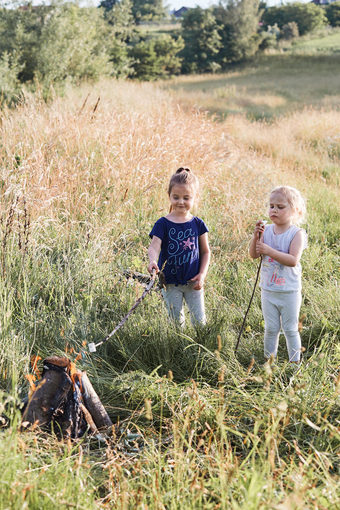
<point>272,85</point>
<point>320,42</point>
<point>82,183</point>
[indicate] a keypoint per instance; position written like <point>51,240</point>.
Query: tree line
<point>54,44</point>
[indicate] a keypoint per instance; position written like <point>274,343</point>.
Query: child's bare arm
<point>153,253</point>
<point>204,261</point>
<point>204,254</point>
<point>290,259</point>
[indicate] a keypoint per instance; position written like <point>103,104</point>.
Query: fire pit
<point>64,400</point>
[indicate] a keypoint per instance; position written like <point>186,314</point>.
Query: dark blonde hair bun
<point>182,169</point>
<point>183,175</point>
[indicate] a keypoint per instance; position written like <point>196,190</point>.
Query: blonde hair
<point>183,176</point>
<point>295,200</point>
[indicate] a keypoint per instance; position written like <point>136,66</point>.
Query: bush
<point>59,43</point>
<point>156,58</point>
<point>269,40</point>
<point>333,14</point>
<point>202,41</point>
<point>289,31</point>
<point>307,16</point>
<point>238,24</point>
<point>72,46</point>
<point>9,83</point>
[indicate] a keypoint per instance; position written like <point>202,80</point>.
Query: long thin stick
<point>251,299</point>
<point>92,347</point>
<point>250,302</point>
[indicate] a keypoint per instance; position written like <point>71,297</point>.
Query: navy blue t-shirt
<point>180,248</point>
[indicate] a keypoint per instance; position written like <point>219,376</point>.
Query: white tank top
<point>276,276</point>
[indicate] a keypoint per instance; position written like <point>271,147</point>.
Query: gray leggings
<point>281,309</point>
<point>173,296</point>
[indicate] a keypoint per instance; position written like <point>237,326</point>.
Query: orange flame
<point>78,357</point>
<point>34,362</point>
<point>31,378</point>
<point>74,373</point>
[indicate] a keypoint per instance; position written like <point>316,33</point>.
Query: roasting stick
<point>93,346</point>
<point>251,299</point>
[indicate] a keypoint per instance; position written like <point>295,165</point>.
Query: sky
<point>176,4</point>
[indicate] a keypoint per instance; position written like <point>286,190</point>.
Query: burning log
<point>50,392</point>
<point>93,404</point>
<point>65,400</point>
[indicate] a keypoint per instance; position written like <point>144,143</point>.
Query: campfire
<point>64,400</point>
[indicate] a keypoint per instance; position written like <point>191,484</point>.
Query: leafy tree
<point>10,85</point>
<point>20,32</point>
<point>333,14</point>
<point>150,10</point>
<point>65,42</point>
<point>72,45</point>
<point>202,41</point>
<point>156,57</point>
<point>122,25</point>
<point>238,22</point>
<point>108,4</point>
<point>307,16</point>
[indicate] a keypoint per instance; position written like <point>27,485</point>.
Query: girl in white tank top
<point>281,245</point>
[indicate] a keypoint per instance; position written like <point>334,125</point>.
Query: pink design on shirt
<point>278,280</point>
<point>188,244</point>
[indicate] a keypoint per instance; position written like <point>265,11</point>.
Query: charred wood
<point>65,401</point>
<point>93,404</point>
<point>48,397</point>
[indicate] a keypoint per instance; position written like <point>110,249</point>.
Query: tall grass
<point>81,187</point>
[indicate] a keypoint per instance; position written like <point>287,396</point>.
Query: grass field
<point>325,43</point>
<point>272,85</point>
<point>155,29</point>
<point>80,190</point>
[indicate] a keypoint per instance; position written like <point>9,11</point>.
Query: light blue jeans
<point>174,295</point>
<point>281,309</point>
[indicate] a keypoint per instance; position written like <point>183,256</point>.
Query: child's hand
<point>259,228</point>
<point>262,248</point>
<point>153,267</point>
<point>199,281</point>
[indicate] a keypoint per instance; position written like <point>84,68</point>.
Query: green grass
<point>329,43</point>
<point>222,432</point>
<point>270,86</point>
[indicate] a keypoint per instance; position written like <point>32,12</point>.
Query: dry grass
<point>66,157</point>
<point>304,142</point>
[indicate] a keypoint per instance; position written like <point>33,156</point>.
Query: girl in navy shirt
<point>180,248</point>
